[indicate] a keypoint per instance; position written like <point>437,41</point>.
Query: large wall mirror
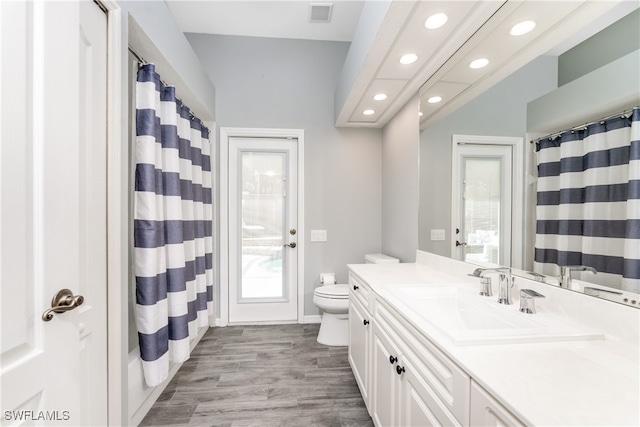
<point>477,157</point>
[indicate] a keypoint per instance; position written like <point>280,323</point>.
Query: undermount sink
<point>470,319</point>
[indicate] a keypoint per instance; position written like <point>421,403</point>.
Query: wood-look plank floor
<point>262,376</point>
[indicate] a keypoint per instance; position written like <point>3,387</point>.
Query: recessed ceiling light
<point>368,112</point>
<point>436,21</point>
<point>479,63</point>
<point>409,58</point>
<point>522,28</point>
<point>420,114</point>
<point>380,96</point>
<point>434,99</point>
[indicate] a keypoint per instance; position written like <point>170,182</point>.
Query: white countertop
<point>575,383</point>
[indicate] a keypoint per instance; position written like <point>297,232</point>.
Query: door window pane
<point>263,218</point>
<point>481,209</point>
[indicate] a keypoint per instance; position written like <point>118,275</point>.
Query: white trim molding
<point>313,318</point>
<point>517,188</point>
<point>225,134</point>
<point>117,230</point>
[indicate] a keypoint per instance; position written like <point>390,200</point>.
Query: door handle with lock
<point>62,301</point>
<point>291,245</point>
<point>458,243</point>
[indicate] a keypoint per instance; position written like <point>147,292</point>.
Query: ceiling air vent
<point>320,12</point>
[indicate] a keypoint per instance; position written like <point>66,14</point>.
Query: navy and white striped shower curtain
<point>172,226</point>
<point>588,201</point>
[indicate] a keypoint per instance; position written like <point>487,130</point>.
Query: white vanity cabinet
<point>412,383</point>
<point>405,380</point>
<point>385,382</point>
<point>487,411</point>
<point>415,367</point>
<point>360,334</point>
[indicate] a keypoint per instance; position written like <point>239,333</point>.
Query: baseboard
<point>315,318</point>
<point>268,322</point>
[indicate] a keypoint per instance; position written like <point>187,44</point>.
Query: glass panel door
<point>263,252</point>
<point>263,213</point>
<point>482,204</point>
<point>481,208</point>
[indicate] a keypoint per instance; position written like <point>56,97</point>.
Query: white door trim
<point>117,230</point>
<point>225,134</point>
<point>517,188</point>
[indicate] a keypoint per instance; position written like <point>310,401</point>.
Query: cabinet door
<point>420,406</point>
<point>449,384</point>
<point>359,342</point>
<point>385,381</point>
<point>487,411</point>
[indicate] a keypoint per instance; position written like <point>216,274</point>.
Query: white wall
<point>282,83</point>
<point>400,176</point>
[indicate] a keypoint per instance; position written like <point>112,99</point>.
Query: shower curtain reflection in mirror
<point>588,201</point>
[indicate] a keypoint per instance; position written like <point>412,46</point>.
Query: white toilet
<point>333,300</point>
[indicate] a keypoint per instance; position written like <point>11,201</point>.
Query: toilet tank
<point>379,259</point>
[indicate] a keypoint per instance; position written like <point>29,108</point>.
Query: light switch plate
<point>318,235</point>
<point>437,234</point>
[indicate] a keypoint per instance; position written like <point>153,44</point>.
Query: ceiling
<point>475,29</point>
<point>267,18</point>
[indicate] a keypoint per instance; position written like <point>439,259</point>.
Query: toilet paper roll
<point>328,279</point>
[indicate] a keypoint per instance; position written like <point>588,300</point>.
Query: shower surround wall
<point>283,83</point>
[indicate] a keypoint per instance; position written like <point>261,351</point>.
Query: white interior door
<point>53,212</point>
<point>262,230</point>
<point>482,203</point>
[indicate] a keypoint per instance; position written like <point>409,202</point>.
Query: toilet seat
<point>333,291</point>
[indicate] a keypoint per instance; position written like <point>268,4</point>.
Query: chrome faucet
<point>527,300</point>
<point>564,279</point>
<point>505,284</point>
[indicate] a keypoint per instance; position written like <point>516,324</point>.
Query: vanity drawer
<point>448,382</point>
<point>359,290</point>
<point>487,411</point>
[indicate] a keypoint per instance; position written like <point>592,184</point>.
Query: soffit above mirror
<point>474,29</point>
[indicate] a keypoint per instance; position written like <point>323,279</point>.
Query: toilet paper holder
<point>328,279</point>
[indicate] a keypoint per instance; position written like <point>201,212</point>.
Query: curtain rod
<point>584,126</point>
<point>138,57</point>
<point>142,62</point>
